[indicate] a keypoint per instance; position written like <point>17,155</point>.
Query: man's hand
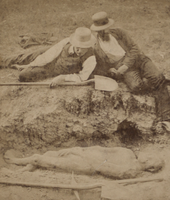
<point>118,74</point>
<point>115,74</point>
<point>74,151</point>
<point>64,152</point>
<point>21,67</point>
<point>57,80</point>
<point>122,69</point>
<point>114,71</point>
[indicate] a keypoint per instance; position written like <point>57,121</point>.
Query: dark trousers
<point>47,71</point>
<point>148,78</point>
<point>37,73</point>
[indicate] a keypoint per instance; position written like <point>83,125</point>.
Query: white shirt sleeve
<point>88,67</point>
<point>50,54</point>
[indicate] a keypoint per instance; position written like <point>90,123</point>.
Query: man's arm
<point>50,54</point>
<point>74,151</point>
<point>132,50</point>
<point>88,67</point>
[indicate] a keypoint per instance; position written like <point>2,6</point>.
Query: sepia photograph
<point>84,99</point>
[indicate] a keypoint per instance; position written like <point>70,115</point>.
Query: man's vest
<point>103,61</point>
<point>69,63</point>
<point>133,58</point>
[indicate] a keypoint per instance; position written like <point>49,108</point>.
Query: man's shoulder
<point>61,43</point>
<point>66,48</point>
<point>116,30</point>
<point>119,33</point>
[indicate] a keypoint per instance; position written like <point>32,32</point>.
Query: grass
<point>146,21</point>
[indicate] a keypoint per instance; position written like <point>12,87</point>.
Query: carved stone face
<point>150,162</point>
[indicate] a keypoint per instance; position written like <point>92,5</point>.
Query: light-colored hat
<point>82,38</point>
<point>101,21</point>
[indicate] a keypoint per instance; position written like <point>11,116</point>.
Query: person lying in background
<point>71,59</point>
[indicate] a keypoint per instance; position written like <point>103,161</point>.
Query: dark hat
<point>101,21</point>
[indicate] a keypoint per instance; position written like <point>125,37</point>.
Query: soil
<point>37,119</point>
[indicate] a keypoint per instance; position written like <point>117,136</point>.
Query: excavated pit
<point>72,116</point>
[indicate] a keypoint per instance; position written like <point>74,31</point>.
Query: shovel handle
<point>43,185</point>
<point>139,180</point>
<point>48,84</point>
<point>24,84</point>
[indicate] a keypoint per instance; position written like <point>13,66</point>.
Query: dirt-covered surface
<point>37,119</point>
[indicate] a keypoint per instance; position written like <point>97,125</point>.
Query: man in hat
<point>71,59</point>
<point>119,57</point>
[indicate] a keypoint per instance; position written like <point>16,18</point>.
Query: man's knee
<point>154,76</point>
<point>156,81</point>
<point>28,75</point>
<point>24,76</point>
<point>133,81</point>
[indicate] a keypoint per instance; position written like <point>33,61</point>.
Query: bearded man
<point>119,57</point>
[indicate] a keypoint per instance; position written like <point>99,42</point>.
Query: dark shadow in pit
<point>128,132</point>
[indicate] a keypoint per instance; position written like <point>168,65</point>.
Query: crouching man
<point>119,57</point>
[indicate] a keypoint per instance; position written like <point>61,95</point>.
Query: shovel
<point>101,83</point>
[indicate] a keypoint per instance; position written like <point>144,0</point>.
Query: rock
<point>77,129</point>
<point>69,124</point>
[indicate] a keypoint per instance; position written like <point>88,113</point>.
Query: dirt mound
<point>69,116</point>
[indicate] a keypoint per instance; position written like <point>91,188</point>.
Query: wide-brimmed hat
<point>82,38</point>
<point>101,21</point>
